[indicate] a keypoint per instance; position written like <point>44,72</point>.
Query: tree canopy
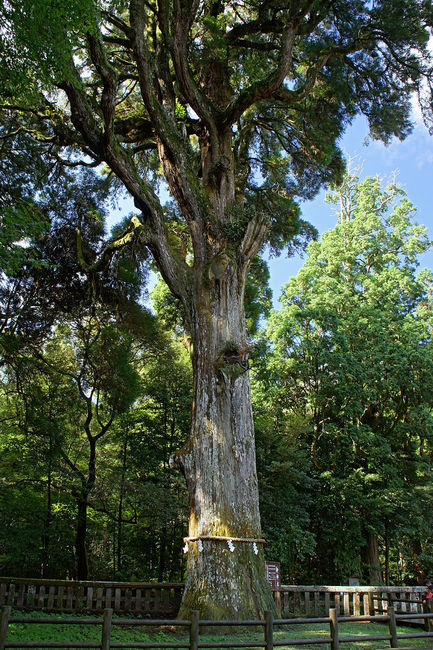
<point>244,99</point>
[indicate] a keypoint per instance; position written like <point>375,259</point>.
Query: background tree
<point>240,107</point>
<point>72,391</point>
<point>144,499</point>
<point>351,348</point>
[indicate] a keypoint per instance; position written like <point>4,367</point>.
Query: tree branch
<point>265,87</point>
<point>81,111</point>
<point>110,82</point>
<point>184,15</point>
<point>254,237</point>
<point>109,250</point>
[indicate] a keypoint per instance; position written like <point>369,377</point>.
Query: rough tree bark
<point>372,560</point>
<point>219,459</point>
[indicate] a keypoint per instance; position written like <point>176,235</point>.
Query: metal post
<point>4,622</point>
<point>106,629</point>
<point>269,631</point>
<point>194,630</point>
<point>392,626</point>
<point>335,644</point>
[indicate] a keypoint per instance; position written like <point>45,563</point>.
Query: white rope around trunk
<point>220,538</point>
<point>225,539</point>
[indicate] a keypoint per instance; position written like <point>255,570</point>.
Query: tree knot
<point>221,267</point>
<point>233,359</point>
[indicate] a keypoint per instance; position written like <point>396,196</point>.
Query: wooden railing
<point>305,601</point>
<point>164,599</point>
<point>66,595</point>
<point>193,641</point>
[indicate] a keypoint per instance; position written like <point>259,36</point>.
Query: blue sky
<point>411,159</point>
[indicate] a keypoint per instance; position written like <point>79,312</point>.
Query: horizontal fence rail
<point>164,599</point>
<point>193,641</point>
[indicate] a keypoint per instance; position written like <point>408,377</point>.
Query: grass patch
<point>92,633</point>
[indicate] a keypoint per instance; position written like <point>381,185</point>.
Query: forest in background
<point>96,392</point>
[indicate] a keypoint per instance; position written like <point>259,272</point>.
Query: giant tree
<point>239,106</point>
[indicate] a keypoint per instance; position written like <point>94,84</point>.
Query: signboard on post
<point>273,574</point>
<point>272,570</point>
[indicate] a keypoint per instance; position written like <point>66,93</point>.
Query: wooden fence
<point>305,601</point>
<point>66,595</point>
<point>193,641</point>
<point>164,599</point>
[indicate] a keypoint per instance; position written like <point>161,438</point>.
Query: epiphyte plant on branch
<point>238,106</point>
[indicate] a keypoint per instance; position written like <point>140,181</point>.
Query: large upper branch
<point>173,149</point>
<point>82,115</point>
<point>165,128</point>
<point>184,14</point>
<point>145,198</point>
<point>110,82</point>
<point>265,87</point>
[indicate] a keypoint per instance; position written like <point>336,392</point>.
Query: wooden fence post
<point>4,622</point>
<point>194,630</point>
<point>427,609</point>
<point>392,626</point>
<point>269,631</point>
<point>106,629</point>
<point>278,602</point>
<point>335,644</point>
<point>371,611</point>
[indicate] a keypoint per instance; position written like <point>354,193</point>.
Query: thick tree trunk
<point>418,566</point>
<point>219,462</point>
<point>371,559</point>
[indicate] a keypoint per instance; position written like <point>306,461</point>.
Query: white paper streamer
<point>255,549</point>
<point>200,546</point>
<point>185,548</point>
<point>230,545</point>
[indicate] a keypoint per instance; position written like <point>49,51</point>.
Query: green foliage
<point>346,58</point>
<point>86,376</point>
<point>351,352</point>
<point>38,42</point>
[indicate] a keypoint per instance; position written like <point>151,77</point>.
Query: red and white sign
<point>273,574</point>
